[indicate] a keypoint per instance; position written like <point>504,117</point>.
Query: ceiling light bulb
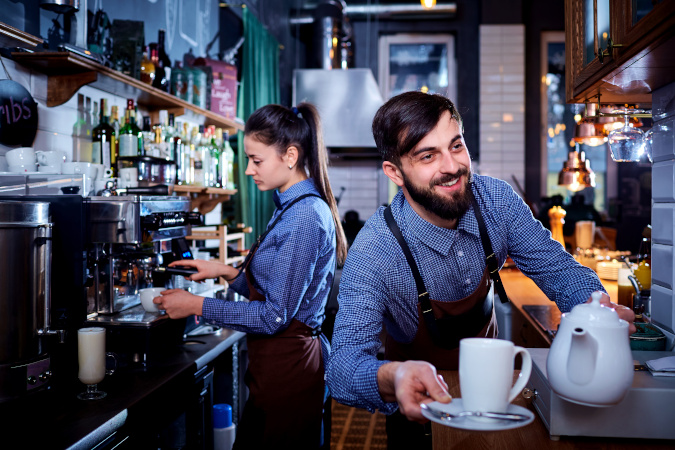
<point>428,4</point>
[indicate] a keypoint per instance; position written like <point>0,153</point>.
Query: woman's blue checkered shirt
<point>377,286</point>
<point>293,268</point>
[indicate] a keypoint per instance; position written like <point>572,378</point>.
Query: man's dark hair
<point>404,120</point>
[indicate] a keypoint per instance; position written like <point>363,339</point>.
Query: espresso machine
<point>132,240</point>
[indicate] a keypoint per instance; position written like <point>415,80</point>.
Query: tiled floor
<point>355,428</point>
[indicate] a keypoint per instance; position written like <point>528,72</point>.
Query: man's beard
<point>448,209</point>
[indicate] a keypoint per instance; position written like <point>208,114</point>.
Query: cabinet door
<point>637,24</point>
<point>588,28</point>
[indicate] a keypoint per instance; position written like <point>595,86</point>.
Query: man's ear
<point>393,172</point>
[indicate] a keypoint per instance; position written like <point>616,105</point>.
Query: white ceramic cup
<point>78,167</point>
<point>147,295</point>
<point>486,374</point>
<point>22,168</point>
<point>128,177</point>
<point>20,156</point>
<point>51,158</point>
<point>91,354</point>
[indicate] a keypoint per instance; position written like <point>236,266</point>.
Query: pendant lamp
<point>589,130</point>
<point>576,173</point>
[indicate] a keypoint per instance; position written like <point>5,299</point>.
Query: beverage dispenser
<point>25,298</point>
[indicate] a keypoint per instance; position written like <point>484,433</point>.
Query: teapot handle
<point>525,371</point>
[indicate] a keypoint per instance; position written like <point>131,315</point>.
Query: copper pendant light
<point>576,173</point>
<point>589,130</point>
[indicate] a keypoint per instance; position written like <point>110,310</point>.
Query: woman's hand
<point>207,269</point>
<point>179,303</point>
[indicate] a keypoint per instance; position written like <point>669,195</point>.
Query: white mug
<point>22,168</point>
<point>147,295</point>
<point>486,373</point>
<point>51,158</point>
<point>128,177</point>
<point>20,156</point>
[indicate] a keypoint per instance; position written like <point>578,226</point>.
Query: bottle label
<point>101,153</point>
<point>128,145</point>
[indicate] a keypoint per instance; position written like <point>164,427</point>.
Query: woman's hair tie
<point>296,112</point>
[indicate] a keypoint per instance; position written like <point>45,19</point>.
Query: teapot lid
<point>595,313</point>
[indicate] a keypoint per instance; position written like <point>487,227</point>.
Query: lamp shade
<point>576,173</point>
<point>588,131</point>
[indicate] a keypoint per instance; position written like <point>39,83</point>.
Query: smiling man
<point>419,268</point>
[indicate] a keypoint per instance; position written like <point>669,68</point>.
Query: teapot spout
<point>582,357</point>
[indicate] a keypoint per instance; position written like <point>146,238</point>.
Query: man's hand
<point>624,312</point>
<point>179,303</point>
<point>410,383</point>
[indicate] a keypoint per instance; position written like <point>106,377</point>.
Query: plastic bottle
<point>223,429</point>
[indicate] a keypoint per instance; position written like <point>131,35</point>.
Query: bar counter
<point>534,436</point>
<point>138,403</point>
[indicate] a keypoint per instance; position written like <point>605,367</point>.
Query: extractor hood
<point>347,100</point>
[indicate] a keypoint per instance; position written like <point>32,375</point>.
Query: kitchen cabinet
<point>621,49</point>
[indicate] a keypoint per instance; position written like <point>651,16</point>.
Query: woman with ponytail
<point>287,277</point>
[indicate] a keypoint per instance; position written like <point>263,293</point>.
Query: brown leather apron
<point>285,378</point>
<point>452,321</point>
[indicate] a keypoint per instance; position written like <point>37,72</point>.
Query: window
<point>409,62</point>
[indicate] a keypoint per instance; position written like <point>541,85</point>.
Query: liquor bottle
<point>103,137</point>
<point>148,137</point>
<point>147,69</point>
<point>215,146</point>
<point>205,154</point>
<point>162,63</point>
<point>115,152</point>
<point>228,162</point>
<point>196,162</point>
<point>130,138</point>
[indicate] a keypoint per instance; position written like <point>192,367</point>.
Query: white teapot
<point>590,361</point>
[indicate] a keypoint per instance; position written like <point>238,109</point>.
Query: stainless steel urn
<point>25,286</point>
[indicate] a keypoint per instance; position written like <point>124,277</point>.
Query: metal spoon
<point>490,415</point>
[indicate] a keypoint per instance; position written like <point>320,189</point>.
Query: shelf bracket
<point>61,88</point>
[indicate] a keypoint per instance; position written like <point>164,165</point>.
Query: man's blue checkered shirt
<point>377,285</point>
<point>293,268</point>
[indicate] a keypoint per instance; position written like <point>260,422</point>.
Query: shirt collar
<point>437,238</point>
<point>293,192</point>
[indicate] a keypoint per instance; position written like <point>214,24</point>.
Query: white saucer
<point>468,423</point>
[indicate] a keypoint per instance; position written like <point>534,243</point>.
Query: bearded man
<point>424,268</point>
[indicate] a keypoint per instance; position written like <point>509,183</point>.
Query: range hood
<point>347,100</point>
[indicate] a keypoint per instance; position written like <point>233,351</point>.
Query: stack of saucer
<point>608,270</point>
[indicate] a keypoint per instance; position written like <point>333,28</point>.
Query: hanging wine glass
<point>649,136</point>
<point>627,143</point>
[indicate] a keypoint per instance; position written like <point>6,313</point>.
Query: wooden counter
<point>532,436</point>
<point>522,291</point>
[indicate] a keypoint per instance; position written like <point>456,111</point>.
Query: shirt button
<point>278,319</point>
<point>468,281</point>
<point>460,253</point>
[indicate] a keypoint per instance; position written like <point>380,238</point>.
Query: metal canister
<point>25,301</point>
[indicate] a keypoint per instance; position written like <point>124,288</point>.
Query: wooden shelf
<point>221,234</point>
<point>205,199</point>
<point>67,72</point>
<point>13,37</point>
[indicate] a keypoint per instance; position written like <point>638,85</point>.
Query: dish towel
<point>662,367</point>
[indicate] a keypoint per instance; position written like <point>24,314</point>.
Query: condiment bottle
<point>223,429</point>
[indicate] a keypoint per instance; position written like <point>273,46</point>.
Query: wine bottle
<point>130,137</point>
<point>115,151</point>
<point>103,138</point>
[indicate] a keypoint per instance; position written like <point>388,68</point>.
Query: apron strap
<point>490,258</point>
<point>422,293</point>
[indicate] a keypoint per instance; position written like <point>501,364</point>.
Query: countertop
<point>534,435</point>
<point>55,418</point>
<point>526,296</point>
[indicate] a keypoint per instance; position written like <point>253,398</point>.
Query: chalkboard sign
<point>18,115</point>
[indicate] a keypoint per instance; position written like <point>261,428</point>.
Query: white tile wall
<point>502,102</point>
<point>663,208</point>
<point>663,218</point>
<point>361,180</point>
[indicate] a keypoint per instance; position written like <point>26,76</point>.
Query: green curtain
<point>259,87</point>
